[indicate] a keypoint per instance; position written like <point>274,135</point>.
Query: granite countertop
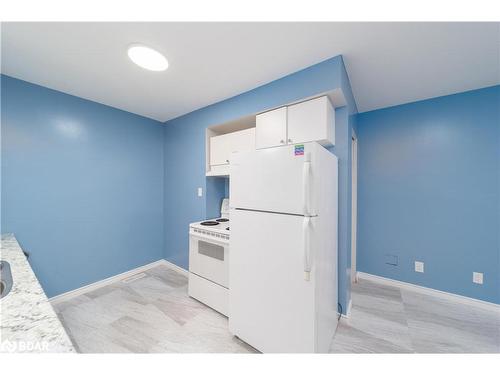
<point>27,321</point>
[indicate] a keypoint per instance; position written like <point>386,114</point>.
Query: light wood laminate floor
<point>154,314</point>
<point>387,319</point>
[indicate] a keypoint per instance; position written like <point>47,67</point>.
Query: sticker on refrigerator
<point>299,150</point>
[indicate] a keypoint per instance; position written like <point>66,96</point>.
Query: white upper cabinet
<point>222,146</point>
<point>271,128</point>
<point>312,120</point>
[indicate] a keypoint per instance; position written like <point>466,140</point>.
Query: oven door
<point>209,259</point>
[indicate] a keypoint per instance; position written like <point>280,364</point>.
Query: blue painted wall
<point>82,185</point>
<point>185,156</point>
<point>429,190</point>
<point>216,192</point>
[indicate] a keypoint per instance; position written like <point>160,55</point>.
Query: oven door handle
<point>210,238</point>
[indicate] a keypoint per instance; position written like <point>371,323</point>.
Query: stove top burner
<point>222,220</point>
<point>209,223</point>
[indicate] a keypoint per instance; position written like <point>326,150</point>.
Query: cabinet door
<point>312,120</point>
<point>271,128</point>
<point>220,149</point>
<point>222,146</point>
<point>243,140</point>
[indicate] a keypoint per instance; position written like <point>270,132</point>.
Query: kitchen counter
<point>27,321</point>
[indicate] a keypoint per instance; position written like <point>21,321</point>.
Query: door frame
<point>354,205</point>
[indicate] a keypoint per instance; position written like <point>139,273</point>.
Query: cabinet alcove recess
<point>223,140</point>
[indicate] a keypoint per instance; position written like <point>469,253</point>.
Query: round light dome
<point>147,58</point>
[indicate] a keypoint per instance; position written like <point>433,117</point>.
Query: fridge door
<point>279,179</point>
<point>271,302</point>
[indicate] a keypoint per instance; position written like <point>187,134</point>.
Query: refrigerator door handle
<point>307,248</point>
<point>306,174</point>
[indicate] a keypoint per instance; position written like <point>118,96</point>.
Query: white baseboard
<point>175,267</point>
<point>431,292</point>
<point>110,280</point>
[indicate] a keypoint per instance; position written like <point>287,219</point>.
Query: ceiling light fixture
<point>147,58</point>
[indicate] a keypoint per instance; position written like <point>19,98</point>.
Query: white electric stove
<point>213,228</point>
<point>209,261</point>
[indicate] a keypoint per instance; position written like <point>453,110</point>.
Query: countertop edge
<point>28,323</point>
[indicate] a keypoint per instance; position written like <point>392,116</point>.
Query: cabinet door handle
<point>227,160</point>
<point>282,141</point>
<point>289,140</point>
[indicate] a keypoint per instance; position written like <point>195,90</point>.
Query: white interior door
<point>271,305</point>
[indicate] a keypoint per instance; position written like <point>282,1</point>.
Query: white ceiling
<point>388,63</point>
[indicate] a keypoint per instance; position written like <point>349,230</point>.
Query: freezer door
<point>279,179</point>
<point>271,300</point>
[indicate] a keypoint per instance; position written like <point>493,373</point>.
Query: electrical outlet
<point>477,277</point>
<point>200,192</point>
<point>419,266</point>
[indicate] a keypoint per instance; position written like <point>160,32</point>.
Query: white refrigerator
<point>283,264</point>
